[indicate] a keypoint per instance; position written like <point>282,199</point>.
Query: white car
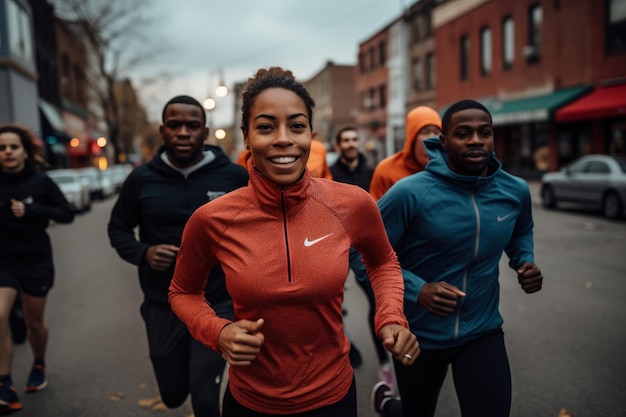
<point>100,186</point>
<point>74,188</point>
<point>596,181</point>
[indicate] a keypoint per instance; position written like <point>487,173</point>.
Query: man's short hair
<point>184,100</point>
<point>460,106</point>
<point>345,129</point>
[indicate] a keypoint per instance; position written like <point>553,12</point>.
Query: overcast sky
<point>201,37</point>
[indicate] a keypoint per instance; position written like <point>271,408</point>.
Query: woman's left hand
<point>401,343</point>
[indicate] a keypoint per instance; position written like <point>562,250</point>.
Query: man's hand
<point>529,277</point>
<point>161,257</point>
<point>439,298</point>
<point>400,342</point>
<point>241,341</point>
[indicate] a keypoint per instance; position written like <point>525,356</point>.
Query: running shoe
<point>385,373</point>
<point>9,402</point>
<point>381,394</point>
<point>37,379</point>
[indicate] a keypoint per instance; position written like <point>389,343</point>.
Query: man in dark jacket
<point>159,197</point>
<point>351,167</point>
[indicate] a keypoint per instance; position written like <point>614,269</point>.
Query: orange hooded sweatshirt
<point>284,251</point>
<point>403,163</point>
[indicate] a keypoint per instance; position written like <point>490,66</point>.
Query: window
<point>382,53</point>
<point>485,50</point>
<point>598,167</point>
<point>372,99</point>
<point>465,45</point>
<point>532,51</point>
<point>417,75</point>
<point>372,58</point>
<point>382,92</point>
<point>430,71</point>
<point>20,33</point>
<point>508,42</point>
<point>616,26</point>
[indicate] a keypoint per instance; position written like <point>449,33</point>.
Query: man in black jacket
<point>351,167</point>
<point>159,197</point>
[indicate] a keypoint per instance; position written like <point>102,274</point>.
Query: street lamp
<point>221,91</point>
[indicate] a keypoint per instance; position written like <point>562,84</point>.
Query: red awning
<point>602,103</point>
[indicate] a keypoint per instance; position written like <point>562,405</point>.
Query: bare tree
<point>116,31</point>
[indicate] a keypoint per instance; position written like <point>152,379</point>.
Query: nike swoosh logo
<point>502,218</point>
<point>308,242</point>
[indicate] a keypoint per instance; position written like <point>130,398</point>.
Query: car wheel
<point>548,198</point>
<point>612,206</point>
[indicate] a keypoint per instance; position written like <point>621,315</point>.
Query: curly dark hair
<point>274,77</point>
<point>27,137</point>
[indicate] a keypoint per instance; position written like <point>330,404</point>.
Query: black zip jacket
<point>159,200</point>
<point>361,176</point>
<point>26,237</point>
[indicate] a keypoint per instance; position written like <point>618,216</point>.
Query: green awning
<point>532,109</point>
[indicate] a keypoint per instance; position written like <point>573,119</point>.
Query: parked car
<point>596,181</point>
<point>100,186</point>
<point>117,174</point>
<point>75,189</point>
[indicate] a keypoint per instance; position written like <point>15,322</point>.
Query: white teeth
<point>284,160</point>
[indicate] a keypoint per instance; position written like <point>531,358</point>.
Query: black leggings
<point>481,374</point>
<point>346,407</point>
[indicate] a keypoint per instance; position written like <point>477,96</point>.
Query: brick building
<point>526,61</point>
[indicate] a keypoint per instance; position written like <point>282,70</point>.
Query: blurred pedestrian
<point>29,200</point>
<point>450,225</point>
<point>352,167</point>
<point>283,243</point>
<point>421,123</point>
<point>159,197</point>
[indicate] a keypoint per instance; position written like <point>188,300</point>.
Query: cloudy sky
<point>197,39</point>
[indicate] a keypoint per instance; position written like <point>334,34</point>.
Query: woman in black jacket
<point>29,199</point>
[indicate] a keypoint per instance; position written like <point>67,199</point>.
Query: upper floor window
<point>508,42</point>
<point>20,32</point>
<point>417,75</point>
<point>615,26</point>
<point>485,50</point>
<point>430,71</point>
<point>465,46</point>
<point>372,59</point>
<point>532,50</point>
<point>382,53</point>
<point>382,92</point>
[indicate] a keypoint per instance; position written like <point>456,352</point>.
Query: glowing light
<point>103,163</point>
<point>74,142</point>
<point>220,134</point>
<point>221,91</point>
<point>101,141</point>
<point>209,103</point>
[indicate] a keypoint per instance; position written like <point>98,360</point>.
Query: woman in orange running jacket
<point>283,243</point>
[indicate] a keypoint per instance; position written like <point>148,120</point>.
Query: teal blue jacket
<point>454,228</point>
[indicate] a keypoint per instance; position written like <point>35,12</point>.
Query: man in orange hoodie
<point>421,123</point>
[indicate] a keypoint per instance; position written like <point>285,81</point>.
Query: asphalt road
<point>565,344</point>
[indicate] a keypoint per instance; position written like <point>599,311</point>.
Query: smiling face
<point>348,145</point>
<point>183,133</point>
<point>12,153</point>
<point>469,142</point>
<point>279,135</point>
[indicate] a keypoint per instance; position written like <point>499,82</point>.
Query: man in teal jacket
<point>449,225</point>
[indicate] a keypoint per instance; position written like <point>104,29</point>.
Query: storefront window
<point>616,137</point>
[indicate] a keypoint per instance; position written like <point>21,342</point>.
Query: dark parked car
<point>596,181</point>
